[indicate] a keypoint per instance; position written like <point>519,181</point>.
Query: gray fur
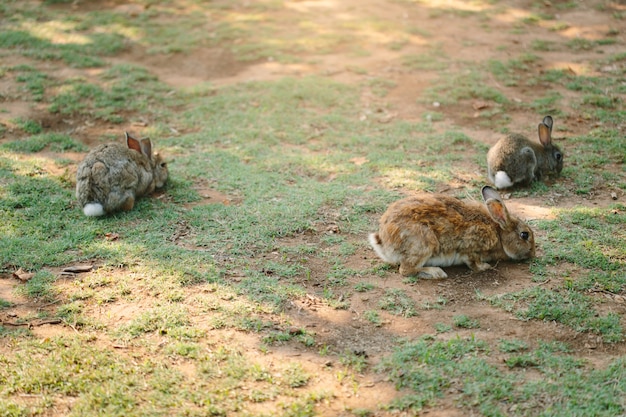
<point>112,176</point>
<point>525,161</point>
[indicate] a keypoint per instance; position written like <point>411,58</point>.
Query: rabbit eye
<point>163,164</point>
<point>524,235</point>
<point>558,156</point>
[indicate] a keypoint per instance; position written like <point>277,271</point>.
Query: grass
<point>591,240</point>
<point>271,302</point>
<point>428,367</point>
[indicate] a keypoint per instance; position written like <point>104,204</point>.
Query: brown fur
<point>423,232</point>
<point>114,175</point>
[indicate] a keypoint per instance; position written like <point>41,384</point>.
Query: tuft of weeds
<point>373,317</point>
<point>161,320</point>
<point>40,287</point>
<point>397,302</point>
<point>466,322</point>
<point>355,360</point>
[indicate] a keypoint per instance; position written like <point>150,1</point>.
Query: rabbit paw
<point>478,266</point>
<point>128,204</point>
<point>432,272</point>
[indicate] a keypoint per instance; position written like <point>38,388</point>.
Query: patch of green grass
<point>397,302</point>
<point>428,367</point>
<point>442,327</point>
<point>80,55</point>
<point>339,274</point>
<point>455,87</point>
<point>160,320</point>
<point>357,361</point>
<point>55,142</point>
<point>511,346</point>
<point>466,322</point>
<point>424,62</point>
<point>548,104</point>
<point>5,304</point>
<point>34,81</point>
<point>127,88</point>
<point>581,44</point>
<point>364,287</point>
<point>373,317</point>
<point>602,101</point>
<point>268,290</point>
<point>40,286</point>
<point>102,381</point>
<point>295,376</point>
<point>567,307</point>
<point>560,26</point>
<point>31,127</point>
<point>277,337</point>
<point>590,238</point>
<point>381,86</point>
<point>543,45</point>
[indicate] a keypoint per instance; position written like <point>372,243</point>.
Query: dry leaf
<point>111,236</point>
<point>23,275</point>
<point>479,105</point>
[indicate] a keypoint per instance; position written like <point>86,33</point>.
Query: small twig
<point>32,324</point>
<point>46,321</point>
<point>71,326</point>
<point>10,323</point>
<point>602,291</point>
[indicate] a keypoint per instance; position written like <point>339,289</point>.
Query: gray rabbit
<point>112,176</point>
<point>516,160</point>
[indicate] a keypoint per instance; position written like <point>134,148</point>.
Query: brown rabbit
<point>428,231</point>
<point>515,159</point>
<point>112,176</point>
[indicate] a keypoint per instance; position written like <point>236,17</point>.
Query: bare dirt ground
<point>455,36</point>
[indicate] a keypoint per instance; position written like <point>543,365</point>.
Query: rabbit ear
<point>132,143</point>
<point>488,192</point>
<point>548,122</point>
<point>495,206</point>
<point>146,147</point>
<point>545,131</point>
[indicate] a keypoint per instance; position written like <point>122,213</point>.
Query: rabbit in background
<point>517,160</point>
<point>112,176</point>
<point>428,231</point>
